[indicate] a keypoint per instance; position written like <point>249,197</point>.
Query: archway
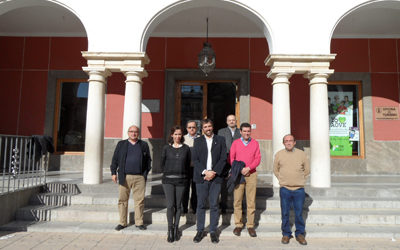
<point>365,39</point>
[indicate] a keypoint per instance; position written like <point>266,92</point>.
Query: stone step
<point>159,201</point>
<point>265,230</point>
<point>109,213</point>
<point>61,187</point>
<point>347,190</point>
<point>51,199</point>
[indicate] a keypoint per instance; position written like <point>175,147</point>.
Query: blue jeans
<point>208,190</point>
<point>293,199</point>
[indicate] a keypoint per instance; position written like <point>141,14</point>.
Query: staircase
<point>355,206</point>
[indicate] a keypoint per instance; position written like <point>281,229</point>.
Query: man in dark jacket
<point>209,159</point>
<point>132,162</point>
<point>230,133</point>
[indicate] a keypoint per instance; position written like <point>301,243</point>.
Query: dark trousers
<point>208,190</point>
<point>193,195</point>
<point>224,189</point>
<point>293,198</point>
<point>173,195</point>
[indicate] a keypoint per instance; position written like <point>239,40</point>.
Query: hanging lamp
<point>206,57</point>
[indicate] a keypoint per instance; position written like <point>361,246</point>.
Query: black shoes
<point>141,227</point>
<point>214,238</point>
<point>177,233</point>
<point>119,227</point>
<point>199,236</point>
<point>170,237</point>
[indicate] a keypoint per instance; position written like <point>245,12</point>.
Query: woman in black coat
<point>175,164</point>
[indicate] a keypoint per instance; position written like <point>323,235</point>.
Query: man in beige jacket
<point>292,168</point>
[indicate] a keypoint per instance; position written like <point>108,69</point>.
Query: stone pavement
<point>118,240</point>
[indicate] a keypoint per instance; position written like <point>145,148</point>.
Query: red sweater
<point>249,154</point>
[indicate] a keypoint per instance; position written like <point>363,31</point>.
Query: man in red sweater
<point>247,150</point>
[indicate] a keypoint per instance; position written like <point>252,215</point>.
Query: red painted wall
<point>231,53</point>
<point>26,62</point>
<point>24,66</point>
<point>381,58</point>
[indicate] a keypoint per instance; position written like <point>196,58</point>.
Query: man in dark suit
<point>209,152</point>
<point>230,133</point>
<point>132,162</point>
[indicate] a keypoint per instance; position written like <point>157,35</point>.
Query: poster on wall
<point>354,134</point>
<point>340,122</point>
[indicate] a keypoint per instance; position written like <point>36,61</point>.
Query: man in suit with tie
<point>230,133</point>
<point>209,152</point>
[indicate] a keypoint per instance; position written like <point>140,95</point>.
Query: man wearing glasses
<point>132,162</point>
<point>191,128</point>
<point>292,168</point>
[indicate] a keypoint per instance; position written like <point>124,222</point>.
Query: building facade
<point>325,71</point>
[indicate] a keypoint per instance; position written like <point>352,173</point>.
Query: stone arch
<point>182,5</point>
<point>358,7</point>
<point>11,5</point>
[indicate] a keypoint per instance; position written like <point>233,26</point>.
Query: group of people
<point>211,166</point>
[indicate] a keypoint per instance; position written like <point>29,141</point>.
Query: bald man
<point>131,162</point>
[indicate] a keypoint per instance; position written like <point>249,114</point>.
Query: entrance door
<point>206,99</point>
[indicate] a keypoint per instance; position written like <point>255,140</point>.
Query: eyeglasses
<point>133,131</point>
<point>191,127</point>
<point>288,140</point>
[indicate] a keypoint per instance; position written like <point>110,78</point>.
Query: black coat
<point>200,153</point>
<point>236,177</point>
<point>119,158</point>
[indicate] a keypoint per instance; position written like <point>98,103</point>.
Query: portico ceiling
<point>50,20</point>
<point>377,20</point>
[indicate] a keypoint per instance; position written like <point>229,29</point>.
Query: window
<point>345,119</point>
<point>70,115</point>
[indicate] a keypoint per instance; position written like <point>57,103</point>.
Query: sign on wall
<point>386,113</point>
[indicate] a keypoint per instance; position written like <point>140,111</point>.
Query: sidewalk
<point>117,240</point>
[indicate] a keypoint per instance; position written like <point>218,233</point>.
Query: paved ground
<point>118,240</point>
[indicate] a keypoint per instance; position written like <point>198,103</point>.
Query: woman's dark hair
<point>172,131</point>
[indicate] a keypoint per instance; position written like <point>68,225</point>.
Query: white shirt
<point>209,157</point>
<point>232,131</point>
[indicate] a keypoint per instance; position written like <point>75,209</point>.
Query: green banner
<point>341,146</point>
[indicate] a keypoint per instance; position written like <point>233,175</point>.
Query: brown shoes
<point>252,232</point>
<point>237,231</point>
<point>300,238</point>
<point>286,239</point>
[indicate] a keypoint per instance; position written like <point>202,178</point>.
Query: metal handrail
<point>21,166</point>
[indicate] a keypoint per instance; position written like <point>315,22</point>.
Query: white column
<point>133,100</point>
<point>94,140</point>
<point>280,112</point>
<point>319,131</point>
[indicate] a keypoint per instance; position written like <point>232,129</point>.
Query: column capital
<point>319,77</point>
<point>101,72</point>
<point>138,72</point>
<point>280,77</point>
